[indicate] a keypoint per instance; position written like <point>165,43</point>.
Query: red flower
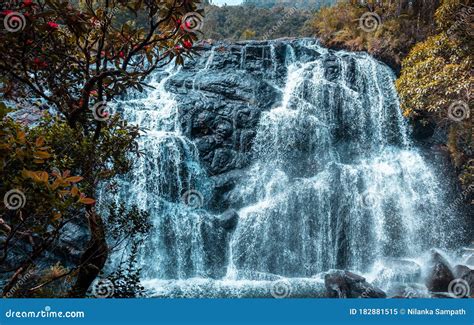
<point>29,42</point>
<point>7,12</point>
<point>53,25</point>
<point>187,44</point>
<point>27,3</point>
<point>93,92</point>
<point>121,54</point>
<point>39,63</point>
<point>187,24</point>
<point>178,21</point>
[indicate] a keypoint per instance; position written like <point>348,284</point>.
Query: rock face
<point>344,284</point>
<point>228,220</point>
<point>221,97</point>
<point>465,277</point>
<point>440,274</point>
<point>220,110</point>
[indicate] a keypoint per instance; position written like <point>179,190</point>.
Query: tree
<point>387,29</point>
<point>76,58</point>
<point>436,83</point>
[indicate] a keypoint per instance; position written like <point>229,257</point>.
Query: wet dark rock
<point>222,161</point>
<point>439,273</point>
<point>229,219</point>
<point>464,273</point>
<point>223,186</point>
<point>215,241</point>
<point>66,250</point>
<point>345,284</point>
<point>222,94</point>
<point>305,54</point>
<point>460,270</point>
<point>423,130</point>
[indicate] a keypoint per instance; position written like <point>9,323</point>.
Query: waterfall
<point>166,181</point>
<point>334,180</point>
<point>336,183</point>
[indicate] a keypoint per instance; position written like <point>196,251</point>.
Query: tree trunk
<point>93,259</point>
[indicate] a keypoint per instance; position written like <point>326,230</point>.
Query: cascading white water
<point>334,182</point>
<point>166,181</point>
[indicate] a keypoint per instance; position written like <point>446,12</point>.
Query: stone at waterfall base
<point>440,273</point>
<point>345,284</point>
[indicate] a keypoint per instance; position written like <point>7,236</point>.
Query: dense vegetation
<point>397,26</point>
<point>61,63</point>
<point>250,22</point>
<point>429,43</point>
<point>437,85</point>
<point>309,4</point>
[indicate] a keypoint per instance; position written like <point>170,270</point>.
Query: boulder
<point>439,274</point>
<point>460,270</point>
<point>345,284</point>
<point>464,273</point>
<point>228,220</point>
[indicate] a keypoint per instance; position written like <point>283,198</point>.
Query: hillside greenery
<point>307,4</point>
<point>249,22</point>
<point>429,44</point>
<point>436,82</point>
